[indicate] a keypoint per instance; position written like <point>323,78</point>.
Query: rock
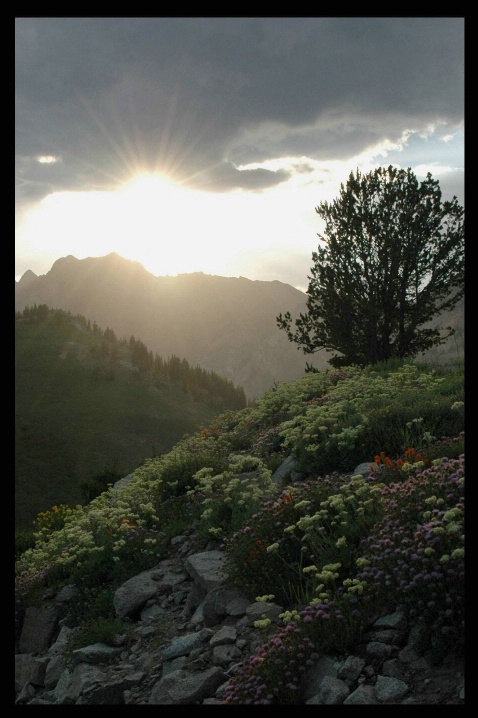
<point>192,632</point>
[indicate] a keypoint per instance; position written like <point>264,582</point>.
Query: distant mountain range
<point>223,324</point>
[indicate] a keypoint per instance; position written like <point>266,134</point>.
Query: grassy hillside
<point>82,408</point>
<point>332,548</point>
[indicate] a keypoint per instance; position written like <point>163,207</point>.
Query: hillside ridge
<point>224,324</point>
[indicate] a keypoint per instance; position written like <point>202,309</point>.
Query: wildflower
<point>215,532</point>
<point>309,569</point>
<point>361,562</point>
<point>263,623</point>
<point>303,504</point>
<point>289,616</point>
<point>452,514</point>
<point>453,528</point>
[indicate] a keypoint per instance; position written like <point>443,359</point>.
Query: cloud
<point>198,98</point>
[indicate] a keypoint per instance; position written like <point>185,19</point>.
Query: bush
<point>99,630</point>
<point>229,499</point>
<point>411,559</point>
<point>24,540</point>
<point>330,549</point>
<point>288,547</point>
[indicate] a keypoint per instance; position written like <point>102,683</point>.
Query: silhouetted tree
<point>392,259</point>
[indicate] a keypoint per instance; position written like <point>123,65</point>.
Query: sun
<point>167,227</point>
<point>146,188</point>
<point>148,219</point>
<point>160,224</point>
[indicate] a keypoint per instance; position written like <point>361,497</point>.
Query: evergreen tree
<point>392,259</point>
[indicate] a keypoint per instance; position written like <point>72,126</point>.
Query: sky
<point>205,144</point>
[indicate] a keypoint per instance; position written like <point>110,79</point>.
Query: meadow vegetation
<point>90,407</point>
<point>332,548</point>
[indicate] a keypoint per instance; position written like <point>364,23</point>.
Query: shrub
<point>24,539</point>
<point>99,630</point>
<point>416,553</point>
<point>286,548</point>
<point>411,559</point>
<point>330,549</point>
<point>230,498</point>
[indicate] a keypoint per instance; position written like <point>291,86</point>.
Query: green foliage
<point>48,521</point>
<point>391,259</point>
<point>410,559</point>
<point>285,549</point>
<point>331,549</point>
<point>24,539</point>
<point>99,482</point>
<point>367,410</point>
<point>172,475</point>
<point>82,409</point>
<point>176,515</point>
<point>229,499</point>
<point>91,607</point>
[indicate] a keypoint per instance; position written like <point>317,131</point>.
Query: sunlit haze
<point>192,161</point>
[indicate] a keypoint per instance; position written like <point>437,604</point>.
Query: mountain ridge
<point>223,324</point>
<point>86,403</point>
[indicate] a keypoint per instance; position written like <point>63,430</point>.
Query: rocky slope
<point>190,632</point>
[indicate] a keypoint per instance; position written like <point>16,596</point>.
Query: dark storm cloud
<point>196,97</point>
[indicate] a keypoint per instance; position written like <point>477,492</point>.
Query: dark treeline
<point>201,384</point>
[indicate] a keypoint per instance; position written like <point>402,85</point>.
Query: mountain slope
<point>81,408</point>
<point>223,324</point>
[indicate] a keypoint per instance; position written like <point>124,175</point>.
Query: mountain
<point>223,324</point>
<point>87,406</point>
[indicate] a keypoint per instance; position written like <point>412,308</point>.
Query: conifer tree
<point>391,259</point>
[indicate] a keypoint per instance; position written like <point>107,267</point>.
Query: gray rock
<point>379,650</point>
<point>207,568</point>
<point>351,669</point>
<point>220,602</point>
<point>332,691</point>
<point>365,468</point>
<point>225,635</point>
<point>390,690</point>
<point>39,628</point>
<point>133,594</point>
<point>284,471</point>
<point>325,666</point>
<point>72,684</point>
<point>364,695</point>
<point>183,646</point>
<point>29,669</point>
<point>396,620</point>
<point>95,653</point>
<point>181,687</point>
<point>145,671</point>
